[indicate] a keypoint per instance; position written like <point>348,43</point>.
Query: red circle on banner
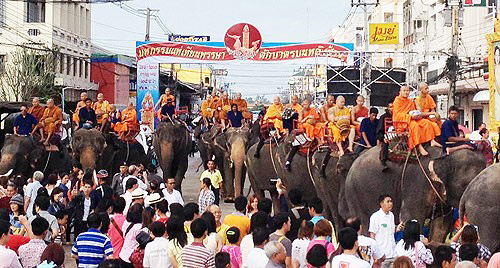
<point>243,36</point>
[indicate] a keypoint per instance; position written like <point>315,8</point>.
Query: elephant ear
<point>35,155</point>
<point>222,142</point>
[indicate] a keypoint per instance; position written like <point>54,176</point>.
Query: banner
<point>148,78</point>
<point>384,33</point>
<point>188,38</point>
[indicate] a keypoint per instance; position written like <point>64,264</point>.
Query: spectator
<point>177,209</point>
<point>148,217</point>
<point>258,220</point>
<point>206,196</point>
<point>299,245</point>
<point>103,191</point>
<point>31,193</point>
<point>213,241</point>
<point>316,213</point>
<point>468,234</point>
<point>41,205</point>
<point>266,205</point>
<point>382,229</point>
<point>317,256</point>
<point>104,206</point>
<point>215,179</point>
<point>403,262</point>
<point>282,225</point>
<point>111,263</point>
<point>177,240</point>
<point>135,173</point>
<point>9,257</point>
<point>413,246</point>
<point>253,201</point>
<point>494,261</point>
<point>30,253</point>
<point>233,249</point>
<point>475,135</point>
<point>162,210</point>
<point>16,208</point>
<point>322,230</point>
<point>156,252</point>
<point>469,255</point>
<point>117,183</point>
<point>137,257</point>
<point>7,194</point>
<point>297,213</point>
<point>484,146</point>
<point>368,248</point>
<point>83,206</point>
<point>62,220</point>
<point>51,183</point>
<point>197,255</point>
<point>191,212</point>
<point>220,228</point>
<point>15,241</point>
<point>115,232</point>
<point>348,239</point>
<point>56,204</point>
<point>131,228</point>
<point>238,218</point>
<point>63,183</point>
<point>223,260</point>
<point>105,222</point>
<point>445,257</point>
<point>92,247</point>
<point>170,194</point>
<point>276,253</point>
<point>53,255</point>
<point>257,255</point>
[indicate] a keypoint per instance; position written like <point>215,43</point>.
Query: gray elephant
<point>25,154</point>
<point>412,193</point>
<point>172,144</point>
<point>88,147</point>
<point>480,206</point>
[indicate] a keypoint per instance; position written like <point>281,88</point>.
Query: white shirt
<point>142,185</point>
<point>369,249</point>
<point>9,258</point>
<point>246,246</point>
<point>174,197</point>
<point>299,251</point>
<point>475,136</point>
<point>128,200</point>
<point>156,254</point>
<point>210,242</point>
<point>86,208</point>
<point>383,226</point>
<point>349,261</point>
<point>258,257</point>
<point>424,254</point>
<point>31,192</point>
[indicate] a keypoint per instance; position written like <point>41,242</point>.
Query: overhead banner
<point>384,33</point>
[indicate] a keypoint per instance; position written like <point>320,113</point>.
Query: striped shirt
<point>91,248</point>
<point>197,256</point>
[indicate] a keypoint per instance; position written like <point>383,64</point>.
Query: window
<point>68,64</point>
<point>61,63</point>
<point>388,17</point>
<point>2,13</point>
<point>86,69</point>
<point>75,65</point>
<point>80,74</point>
<point>359,39</point>
<point>3,59</point>
<point>35,11</point>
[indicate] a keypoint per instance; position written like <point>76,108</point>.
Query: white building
<point>54,25</point>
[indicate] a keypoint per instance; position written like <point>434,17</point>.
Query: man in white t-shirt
<point>368,249</point>
<point>156,251</point>
<point>348,239</point>
<point>172,195</point>
<point>257,257</point>
<point>382,229</point>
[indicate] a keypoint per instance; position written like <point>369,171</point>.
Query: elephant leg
<point>440,227</point>
<point>181,171</point>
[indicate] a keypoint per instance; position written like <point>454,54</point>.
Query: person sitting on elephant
<point>24,123</point>
<point>51,120</point>
<point>242,106</point>
<point>420,130</point>
<point>206,111</point>
<point>79,105</point>
<point>426,105</point>
<point>222,106</point>
<point>235,117</point>
<point>87,116</point>
<point>129,122</point>
<point>167,113</point>
<point>215,177</point>
<point>165,99</point>
<point>330,102</point>
<point>368,130</point>
<point>36,109</point>
<point>382,140</point>
<point>288,123</point>
<point>450,137</point>
<point>309,120</point>
<point>358,113</point>
<point>101,108</point>
<point>469,235</point>
<point>273,114</point>
<point>339,117</point>
<point>114,116</point>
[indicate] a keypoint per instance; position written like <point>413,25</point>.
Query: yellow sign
<point>384,33</point>
<point>494,76</point>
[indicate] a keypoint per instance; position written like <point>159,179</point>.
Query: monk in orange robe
<point>51,120</point>
<point>309,120</point>
<point>223,106</point>
<point>242,106</point>
<point>79,105</point>
<point>425,104</point>
<point>129,122</point>
<point>336,114</point>
<point>421,130</point>
<point>330,102</point>
<point>213,107</point>
<point>357,112</point>
<point>273,114</point>
<point>102,109</point>
<point>165,99</point>
<point>36,110</point>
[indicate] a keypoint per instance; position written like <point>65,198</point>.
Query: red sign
<point>242,41</point>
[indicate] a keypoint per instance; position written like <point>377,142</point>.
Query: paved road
<point>190,189</point>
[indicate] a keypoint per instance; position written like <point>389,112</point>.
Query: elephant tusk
<point>8,173</point>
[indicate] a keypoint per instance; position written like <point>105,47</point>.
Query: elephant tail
<point>461,213</point>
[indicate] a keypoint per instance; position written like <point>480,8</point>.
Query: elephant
<point>480,203</point>
<point>25,154</point>
<point>88,146</point>
<point>117,152</point>
<point>412,194</point>
<point>172,144</point>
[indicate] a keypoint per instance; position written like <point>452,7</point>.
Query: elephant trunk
<point>166,158</point>
<point>238,158</point>
<point>88,159</point>
<point>7,162</point>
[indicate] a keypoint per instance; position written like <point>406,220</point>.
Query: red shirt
<point>163,220</point>
<point>5,203</point>
<point>15,241</point>
<point>137,257</point>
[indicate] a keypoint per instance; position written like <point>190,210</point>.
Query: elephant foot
<point>229,200</point>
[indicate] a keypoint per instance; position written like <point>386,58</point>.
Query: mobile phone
<point>273,181</point>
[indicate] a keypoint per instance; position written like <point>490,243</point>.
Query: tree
<point>30,73</point>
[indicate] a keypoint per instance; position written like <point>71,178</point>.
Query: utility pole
<point>452,62</point>
<point>148,12</point>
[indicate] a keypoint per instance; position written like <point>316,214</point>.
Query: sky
<point>117,28</point>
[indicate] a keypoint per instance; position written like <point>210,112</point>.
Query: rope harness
<point>309,167</point>
<point>47,163</point>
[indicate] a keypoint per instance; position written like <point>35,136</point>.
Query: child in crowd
<point>62,220</point>
<point>233,249</point>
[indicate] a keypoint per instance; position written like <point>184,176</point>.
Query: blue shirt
<point>235,118</point>
<point>370,129</point>
<point>449,128</point>
<point>91,247</point>
<point>87,115</point>
<point>25,124</point>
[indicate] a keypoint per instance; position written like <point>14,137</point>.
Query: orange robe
<point>204,108</point>
<point>129,121</point>
<point>420,131</point>
<point>425,104</point>
<point>37,112</point>
<point>363,112</point>
<point>103,107</point>
<point>222,107</point>
<point>312,129</point>
<point>52,118</point>
<point>297,107</point>
<point>324,113</point>
<point>213,106</point>
<point>272,114</point>
<point>75,117</point>
<point>243,108</point>
<point>334,130</point>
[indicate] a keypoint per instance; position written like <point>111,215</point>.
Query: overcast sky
<point>116,29</point>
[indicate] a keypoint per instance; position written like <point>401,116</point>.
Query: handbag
<point>417,259</point>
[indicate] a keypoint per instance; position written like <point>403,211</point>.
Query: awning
<point>482,96</point>
<point>468,85</point>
